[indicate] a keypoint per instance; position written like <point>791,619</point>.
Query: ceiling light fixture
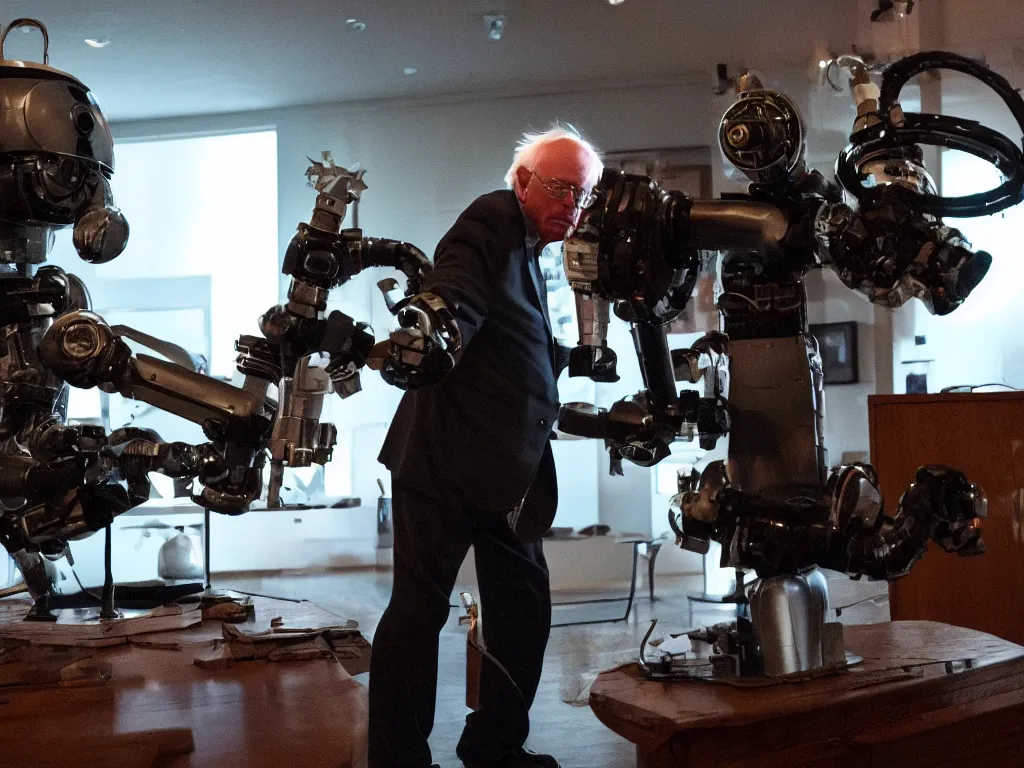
<point>102,42</point>
<point>355,25</point>
<point>409,71</point>
<point>616,2</point>
<point>494,23</point>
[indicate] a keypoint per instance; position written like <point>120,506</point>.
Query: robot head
<point>762,134</point>
<point>56,158</point>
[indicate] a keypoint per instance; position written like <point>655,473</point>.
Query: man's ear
<point>522,182</point>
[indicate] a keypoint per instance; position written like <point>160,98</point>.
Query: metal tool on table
<point>474,649</point>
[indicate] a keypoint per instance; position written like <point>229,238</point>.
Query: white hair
<point>529,148</point>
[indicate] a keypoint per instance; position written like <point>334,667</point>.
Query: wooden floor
<point>571,733</point>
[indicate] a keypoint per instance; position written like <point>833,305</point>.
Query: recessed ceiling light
<point>410,71</point>
<point>355,25</point>
<point>92,42</point>
<point>494,23</point>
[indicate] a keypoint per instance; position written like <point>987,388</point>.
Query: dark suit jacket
<point>480,434</point>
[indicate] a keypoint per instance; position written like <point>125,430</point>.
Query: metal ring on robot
<point>939,130</point>
<point>25,22</point>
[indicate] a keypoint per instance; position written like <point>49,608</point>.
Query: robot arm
<point>630,248</point>
<point>847,530</point>
<point>320,257</point>
<point>895,254</point>
<point>642,248</point>
<point>84,351</point>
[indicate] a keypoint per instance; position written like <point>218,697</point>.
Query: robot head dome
<point>56,159</point>
<point>762,134</point>
<point>50,111</point>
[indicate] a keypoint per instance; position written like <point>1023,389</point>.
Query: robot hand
<point>597,362</point>
<point>423,350</point>
<point>629,428</point>
<point>944,506</point>
<point>940,506</point>
<point>896,253</point>
<point>896,246</point>
<point>228,487</point>
<point>637,430</point>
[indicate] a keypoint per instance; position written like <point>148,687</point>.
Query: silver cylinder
<point>592,315</point>
<point>788,613</point>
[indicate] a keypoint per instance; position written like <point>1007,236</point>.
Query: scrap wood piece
<point>352,652</point>
<point>347,646</point>
<point>246,646</point>
<point>86,672</point>
<point>33,665</point>
<point>145,641</point>
<point>312,648</point>
<point>223,607</point>
<point>79,626</point>
<point>213,658</point>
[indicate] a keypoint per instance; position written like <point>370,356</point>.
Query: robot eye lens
<point>84,123</point>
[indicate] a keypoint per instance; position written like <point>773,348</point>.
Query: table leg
<point>632,582</point>
<point>652,554</point>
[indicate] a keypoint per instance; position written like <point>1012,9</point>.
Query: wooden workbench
<point>159,709</point>
<point>901,707</point>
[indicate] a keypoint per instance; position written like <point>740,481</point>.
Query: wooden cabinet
<point>982,434</point>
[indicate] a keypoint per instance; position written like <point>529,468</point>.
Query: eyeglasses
<point>559,190</point>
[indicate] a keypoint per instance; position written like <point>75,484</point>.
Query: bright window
<point>201,264</point>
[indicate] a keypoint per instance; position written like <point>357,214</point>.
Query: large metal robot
<point>774,505</point>
<point>60,482</point>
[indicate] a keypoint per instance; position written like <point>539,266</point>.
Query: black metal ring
<point>27,23</point>
<point>938,130</point>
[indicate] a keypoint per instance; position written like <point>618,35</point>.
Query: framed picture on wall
<point>837,344</point>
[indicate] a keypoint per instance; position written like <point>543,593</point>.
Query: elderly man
<point>471,463</point>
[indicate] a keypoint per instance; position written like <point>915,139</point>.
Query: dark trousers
<point>431,541</point>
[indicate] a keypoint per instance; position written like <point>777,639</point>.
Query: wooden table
<point>903,706</point>
<point>159,709</point>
